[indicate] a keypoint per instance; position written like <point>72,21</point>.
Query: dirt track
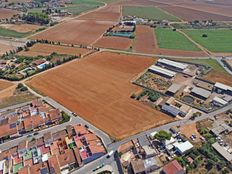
<point>99,88</point>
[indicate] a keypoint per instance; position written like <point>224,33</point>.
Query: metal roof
<point>219,100</point>
<point>183,146</point>
<point>201,92</point>
<point>222,151</point>
<point>171,110</point>
<point>162,71</point>
<point>223,86</point>
<point>174,88</point>
<point>173,63</point>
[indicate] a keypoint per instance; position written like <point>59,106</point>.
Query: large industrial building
<point>172,64</point>
<point>161,71</point>
<point>222,88</point>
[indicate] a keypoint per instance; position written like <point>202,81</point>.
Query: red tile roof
<point>173,168</point>
<point>24,170</point>
<point>54,165</point>
<point>66,158</point>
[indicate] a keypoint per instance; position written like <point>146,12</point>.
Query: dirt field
<point>145,39</point>
<point>4,84</point>
<point>190,129</point>
<point>216,76</point>
<point>21,28</point>
<point>75,32</point>
<point>47,49</point>
<point>99,88</point>
<point>192,14</point>
<point>114,43</point>
<point>7,13</point>
<point>109,13</point>
<point>7,45</point>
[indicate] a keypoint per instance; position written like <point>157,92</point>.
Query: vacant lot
<point>75,32</point>
<point>114,43</point>
<point>148,12</point>
<point>169,39</point>
<point>145,39</point>
<point>188,130</point>
<point>7,13</point>
<point>21,28</point>
<point>99,88</point>
<point>217,40</point>
<point>47,49</point>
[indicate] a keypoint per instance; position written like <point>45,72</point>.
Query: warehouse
<point>200,93</point>
<point>219,102</point>
<point>173,89</point>
<point>172,64</point>
<point>161,71</point>
<point>182,147</point>
<point>173,111</point>
<point>222,88</point>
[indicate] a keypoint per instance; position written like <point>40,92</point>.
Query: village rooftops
<point>173,168</point>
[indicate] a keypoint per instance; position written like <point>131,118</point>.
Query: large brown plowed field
<point>75,32</point>
<point>145,39</point>
<point>47,49</point>
<point>7,13</point>
<point>4,84</point>
<point>191,14</point>
<point>98,88</point>
<point>21,28</point>
<point>108,13</point>
<point>114,43</point>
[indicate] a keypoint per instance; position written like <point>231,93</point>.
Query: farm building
<point>200,93</point>
<point>218,101</point>
<point>173,111</point>
<point>172,64</point>
<point>222,151</point>
<point>173,89</point>
<point>161,71</point>
<point>222,88</point>
<point>181,148</point>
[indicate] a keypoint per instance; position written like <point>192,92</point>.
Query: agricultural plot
<point>47,49</point>
<point>75,32</point>
<point>169,39</point>
<point>114,43</point>
<point>21,28</point>
<point>98,88</point>
<point>4,84</point>
<point>193,14</point>
<point>108,13</point>
<point>215,40</point>
<point>12,33</point>
<point>7,13</point>
<point>148,12</point>
<point>145,39</point>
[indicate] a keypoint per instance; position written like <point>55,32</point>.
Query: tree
<point>204,35</point>
<point>163,135</point>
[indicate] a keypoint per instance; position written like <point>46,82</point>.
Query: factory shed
<point>172,64</point>
<point>200,93</point>
<point>173,89</point>
<point>219,101</point>
<point>161,71</point>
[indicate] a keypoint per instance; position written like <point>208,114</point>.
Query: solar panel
<point>13,125</point>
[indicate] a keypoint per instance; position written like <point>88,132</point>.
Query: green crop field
<point>217,40</point>
<point>169,39</point>
<point>11,33</point>
<point>80,6</point>
<point>148,12</point>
